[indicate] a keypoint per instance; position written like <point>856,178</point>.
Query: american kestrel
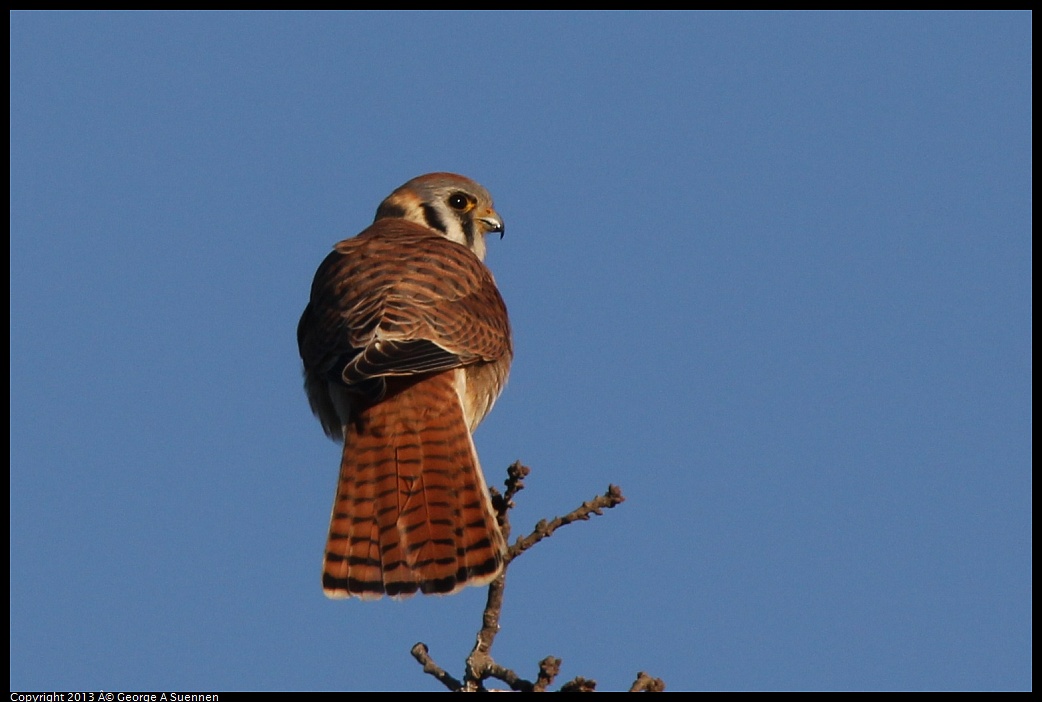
<point>406,346</point>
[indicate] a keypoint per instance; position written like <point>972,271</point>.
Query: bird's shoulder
<point>397,250</point>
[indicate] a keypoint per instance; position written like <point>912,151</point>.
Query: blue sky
<point>770,273</point>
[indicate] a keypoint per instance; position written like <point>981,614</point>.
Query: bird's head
<point>454,205</point>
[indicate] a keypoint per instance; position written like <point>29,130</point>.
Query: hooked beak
<point>493,222</point>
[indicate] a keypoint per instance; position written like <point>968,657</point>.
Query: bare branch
<point>646,683</point>
<point>420,653</point>
<point>516,683</point>
<point>543,529</point>
<point>549,667</point>
<point>516,475</point>
<point>579,685</point>
<point>480,665</point>
<point>480,660</point>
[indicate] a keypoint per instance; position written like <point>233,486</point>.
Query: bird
<point>406,345</point>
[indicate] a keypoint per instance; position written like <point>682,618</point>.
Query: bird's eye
<point>458,201</point>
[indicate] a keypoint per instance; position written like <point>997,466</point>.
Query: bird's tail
<point>412,511</point>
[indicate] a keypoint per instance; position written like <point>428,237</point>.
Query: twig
<point>543,529</point>
<point>420,653</point>
<point>479,665</point>
<point>479,662</point>
<point>549,667</point>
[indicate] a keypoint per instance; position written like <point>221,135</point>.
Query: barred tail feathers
<point>412,511</point>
